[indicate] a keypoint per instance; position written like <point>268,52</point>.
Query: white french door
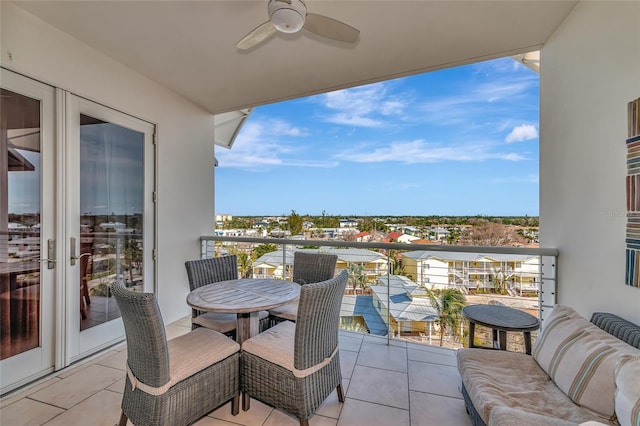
<point>27,230</point>
<point>77,184</point>
<point>109,219</point>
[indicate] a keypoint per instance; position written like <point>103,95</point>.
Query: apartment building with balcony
<point>512,272</point>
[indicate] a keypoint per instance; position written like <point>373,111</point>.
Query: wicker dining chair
<point>173,382</point>
<point>295,366</point>
<point>307,268</point>
<point>206,271</point>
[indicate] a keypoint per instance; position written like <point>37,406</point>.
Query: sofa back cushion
<point>627,396</point>
<point>580,358</point>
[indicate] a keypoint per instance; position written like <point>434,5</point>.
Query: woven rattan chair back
<point>207,271</point>
<point>313,267</point>
<point>317,324</point>
<point>147,351</point>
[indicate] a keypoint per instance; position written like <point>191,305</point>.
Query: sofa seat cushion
<point>580,358</point>
<point>508,379</point>
<point>507,416</point>
<point>627,397</point>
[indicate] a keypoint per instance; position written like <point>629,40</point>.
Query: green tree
<point>263,249</point>
<point>295,223</point>
<point>448,304</point>
<point>357,276</point>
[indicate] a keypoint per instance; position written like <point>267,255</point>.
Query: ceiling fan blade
<point>330,28</point>
<point>257,36</point>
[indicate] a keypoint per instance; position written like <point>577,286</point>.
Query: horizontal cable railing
<point>401,290</point>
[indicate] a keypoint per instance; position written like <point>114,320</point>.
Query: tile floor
<point>401,384</point>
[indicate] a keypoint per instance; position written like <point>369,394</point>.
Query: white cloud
<point>522,133</point>
<point>419,151</point>
<point>261,146</point>
<point>365,106</point>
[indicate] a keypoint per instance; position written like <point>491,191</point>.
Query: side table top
<point>501,317</point>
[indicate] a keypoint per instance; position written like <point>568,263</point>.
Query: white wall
<point>185,136</point>
<point>590,70</point>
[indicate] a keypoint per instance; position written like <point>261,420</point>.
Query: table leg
<point>247,325</point>
<point>527,342</point>
<point>502,343</point>
<point>472,332</point>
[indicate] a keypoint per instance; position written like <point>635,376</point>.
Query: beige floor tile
<point>117,360</point>
<point>27,412</point>
<point>22,393</point>
<point>331,406</point>
<point>278,418</point>
<point>382,356</point>
<point>210,421</point>
<point>349,343</point>
<point>70,391</point>
<point>382,340</point>
<point>118,386</point>
<point>347,363</point>
<point>256,415</point>
<point>360,413</point>
<point>184,322</point>
<point>176,330</point>
<point>434,378</point>
<point>379,386</point>
<point>431,348</point>
<point>432,357</point>
<point>101,409</point>
<point>436,410</point>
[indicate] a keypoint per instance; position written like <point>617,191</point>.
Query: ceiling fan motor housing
<point>287,16</point>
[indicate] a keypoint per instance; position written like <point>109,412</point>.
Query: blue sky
<point>461,141</point>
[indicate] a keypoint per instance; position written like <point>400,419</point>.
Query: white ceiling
<point>188,46</point>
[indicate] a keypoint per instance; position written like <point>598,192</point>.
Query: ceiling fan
<point>291,16</point>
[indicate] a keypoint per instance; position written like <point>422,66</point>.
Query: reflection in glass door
<point>26,230</point>
<point>111,216</point>
<point>109,220</point>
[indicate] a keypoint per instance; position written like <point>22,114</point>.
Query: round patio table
<point>245,297</point>
<point>500,319</point>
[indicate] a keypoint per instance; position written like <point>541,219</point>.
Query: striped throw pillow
<point>573,352</point>
<point>627,396</point>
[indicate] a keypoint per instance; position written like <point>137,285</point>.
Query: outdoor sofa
<point>579,372</point>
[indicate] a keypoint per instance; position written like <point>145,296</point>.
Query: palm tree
<point>448,304</point>
<point>356,276</point>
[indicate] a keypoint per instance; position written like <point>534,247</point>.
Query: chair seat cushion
<point>224,323</point>
<point>197,350</point>
<point>288,311</point>
<point>276,345</point>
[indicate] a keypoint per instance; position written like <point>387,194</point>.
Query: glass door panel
<point>26,222</point>
<point>109,221</point>
<point>111,216</point>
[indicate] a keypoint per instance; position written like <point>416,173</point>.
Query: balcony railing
<point>394,289</point>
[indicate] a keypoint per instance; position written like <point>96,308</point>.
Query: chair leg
<point>246,401</point>
<point>304,422</point>
<point>340,394</point>
<point>235,405</point>
<point>123,419</point>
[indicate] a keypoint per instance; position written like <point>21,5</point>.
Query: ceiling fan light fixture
<point>287,17</point>
<point>287,20</point>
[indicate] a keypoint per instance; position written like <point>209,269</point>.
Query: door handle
<point>51,254</point>
<point>73,258</point>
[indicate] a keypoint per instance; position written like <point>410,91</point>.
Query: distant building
<point>442,269</point>
<point>270,265</point>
